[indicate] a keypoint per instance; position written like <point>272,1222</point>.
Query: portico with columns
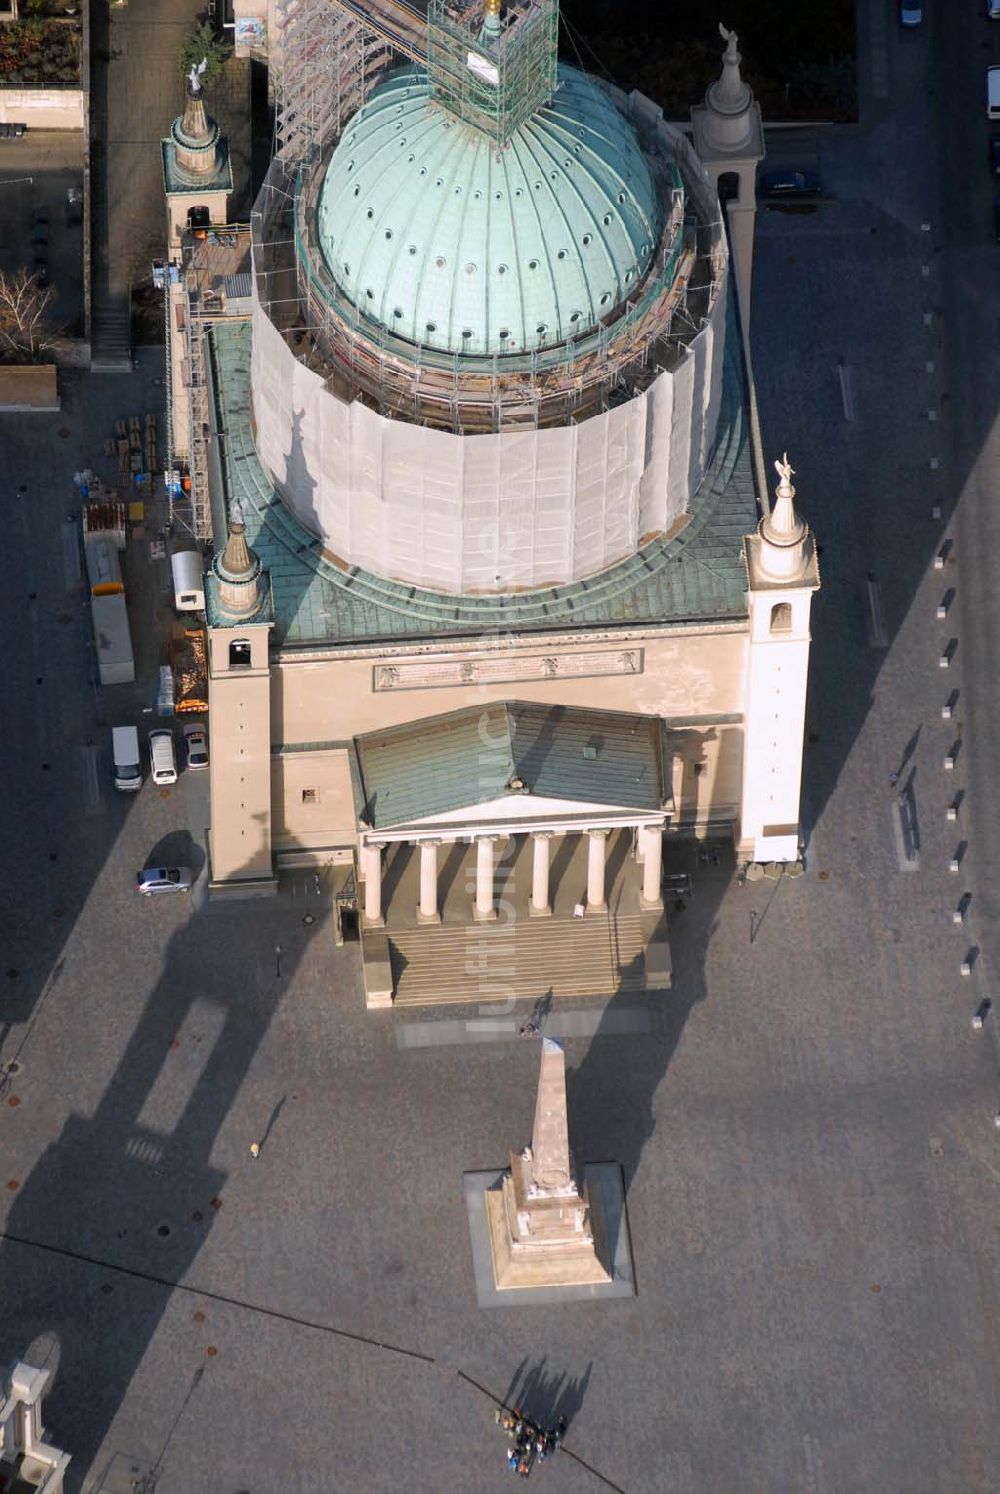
<point>511,783</point>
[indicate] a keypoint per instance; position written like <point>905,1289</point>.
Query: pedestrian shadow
<point>272,1120</point>
<point>546,1397</point>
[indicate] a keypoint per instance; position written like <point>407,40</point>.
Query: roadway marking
<point>93,798</point>
<point>846,390</point>
<point>877,634</point>
<point>604,1022</point>
<point>904,826</point>
<point>878,38</point>
<point>71,556</point>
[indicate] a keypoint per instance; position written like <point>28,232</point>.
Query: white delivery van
<point>187,567</point>
<point>993,92</point>
<point>128,763</point>
<point>161,756</point>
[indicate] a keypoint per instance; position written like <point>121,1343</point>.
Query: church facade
<point>496,583</point>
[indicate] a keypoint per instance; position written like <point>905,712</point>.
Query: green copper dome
<point>431,231</point>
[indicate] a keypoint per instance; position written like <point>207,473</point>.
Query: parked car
<point>161,757</point>
<point>910,13</point>
<point>156,879</point>
<point>776,185</point>
<point>995,154</point>
<point>196,745</point>
<point>993,92</point>
<point>128,763</point>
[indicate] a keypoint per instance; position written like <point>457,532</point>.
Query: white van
<point>187,568</point>
<point>128,763</point>
<point>993,92</point>
<point>161,756</point>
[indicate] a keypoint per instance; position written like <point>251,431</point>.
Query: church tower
<point>240,616</point>
<point>783,574</point>
<point>729,139</point>
<point>197,171</point>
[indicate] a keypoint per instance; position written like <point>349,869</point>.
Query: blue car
<point>777,186</point>
<point>910,14</point>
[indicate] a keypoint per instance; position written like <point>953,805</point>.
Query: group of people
<point>528,1442</point>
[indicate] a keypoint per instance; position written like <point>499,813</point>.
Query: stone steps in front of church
<point>597,955</point>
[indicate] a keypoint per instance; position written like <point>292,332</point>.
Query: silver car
<point>197,746</point>
<point>155,879</point>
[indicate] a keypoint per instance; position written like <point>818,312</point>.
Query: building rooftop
<point>446,241</point>
<point>697,576</point>
<point>436,766</point>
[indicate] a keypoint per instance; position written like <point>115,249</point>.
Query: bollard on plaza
<point>965,969</point>
<point>946,711</point>
<point>942,611</point>
<point>936,511</point>
<point>953,864</point>
<point>951,813</point>
<point>980,1014</point>
<point>950,759</point>
<point>940,559</point>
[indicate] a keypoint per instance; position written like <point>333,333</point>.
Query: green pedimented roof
<point>445,240</point>
<point>438,765</point>
<point>698,576</point>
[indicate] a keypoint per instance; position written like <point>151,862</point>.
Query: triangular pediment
<point>518,760</point>
<point>522,808</point>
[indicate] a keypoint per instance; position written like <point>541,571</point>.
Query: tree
<point>203,42</point>
<point>26,330</point>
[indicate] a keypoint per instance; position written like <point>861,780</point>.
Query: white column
<point>540,906</point>
<point>428,910</point>
<point>373,883</point>
<point>595,868</point>
<point>485,909</point>
<point>651,842</point>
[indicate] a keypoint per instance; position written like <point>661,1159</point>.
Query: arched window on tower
<point>729,186</point>
<point>781,617</point>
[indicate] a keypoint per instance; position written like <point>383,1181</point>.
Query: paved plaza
<point>804,1121</point>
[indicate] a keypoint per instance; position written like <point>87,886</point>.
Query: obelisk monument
<point>543,1231</point>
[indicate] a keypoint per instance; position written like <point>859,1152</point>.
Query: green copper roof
<point>436,234</point>
<point>437,765</point>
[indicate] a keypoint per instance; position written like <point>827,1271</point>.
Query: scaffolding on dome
<point>360,359</point>
<point>327,55</point>
<point>328,58</point>
<point>492,82</point>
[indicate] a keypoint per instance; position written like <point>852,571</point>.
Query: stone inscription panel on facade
<point>502,669</point>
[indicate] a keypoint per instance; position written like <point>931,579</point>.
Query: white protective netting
<point>485,512</point>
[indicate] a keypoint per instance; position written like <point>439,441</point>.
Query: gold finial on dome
<point>492,7</point>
